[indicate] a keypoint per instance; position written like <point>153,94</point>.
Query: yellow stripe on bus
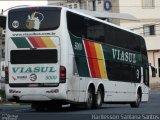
<point>98,51</point>
<point>101,61</point>
<point>48,42</point>
<point>102,69</point>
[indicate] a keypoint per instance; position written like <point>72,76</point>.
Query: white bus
<point>57,56</point>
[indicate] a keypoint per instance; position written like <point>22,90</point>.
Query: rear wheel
<point>98,99</point>
<point>136,104</point>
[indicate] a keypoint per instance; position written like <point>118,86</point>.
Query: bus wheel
<point>89,102</point>
<point>98,99</point>
<point>137,102</point>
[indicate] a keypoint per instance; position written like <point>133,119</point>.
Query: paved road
<point>147,111</point>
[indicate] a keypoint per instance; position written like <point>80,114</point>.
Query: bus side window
<point>76,28</point>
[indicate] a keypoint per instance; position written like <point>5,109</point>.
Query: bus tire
<point>89,101</point>
<point>98,99</point>
<point>136,104</point>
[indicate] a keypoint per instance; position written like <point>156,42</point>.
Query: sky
<point>5,4</point>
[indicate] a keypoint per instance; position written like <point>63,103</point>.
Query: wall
<point>153,58</point>
<point>134,7</point>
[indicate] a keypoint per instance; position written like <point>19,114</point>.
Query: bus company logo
<point>34,20</point>
<point>33,77</point>
<point>124,56</point>
<point>33,69</point>
<point>19,78</point>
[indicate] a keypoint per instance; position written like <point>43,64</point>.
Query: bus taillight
<point>6,75</point>
<point>62,74</point>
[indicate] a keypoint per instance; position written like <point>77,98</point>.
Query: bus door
<point>33,61</point>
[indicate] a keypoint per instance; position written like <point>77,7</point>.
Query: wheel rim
<point>99,98</point>
<point>138,99</point>
<point>89,101</point>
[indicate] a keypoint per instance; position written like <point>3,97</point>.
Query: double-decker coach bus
<point>55,55</point>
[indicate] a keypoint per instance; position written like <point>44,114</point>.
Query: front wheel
<point>136,104</point>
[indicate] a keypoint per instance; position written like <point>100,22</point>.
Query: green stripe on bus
<point>21,42</point>
<point>80,56</point>
<point>82,66</point>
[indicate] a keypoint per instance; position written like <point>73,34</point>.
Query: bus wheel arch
<point>99,97</point>
<point>136,104</point>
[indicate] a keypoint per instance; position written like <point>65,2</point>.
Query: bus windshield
<point>34,19</point>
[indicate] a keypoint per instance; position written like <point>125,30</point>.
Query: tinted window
<point>84,27</point>
<point>121,38</point>
<point>95,30</point>
<point>33,19</point>
<point>123,72</point>
<point>76,24</point>
<point>33,56</point>
<point>81,26</point>
<point>143,46</point>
